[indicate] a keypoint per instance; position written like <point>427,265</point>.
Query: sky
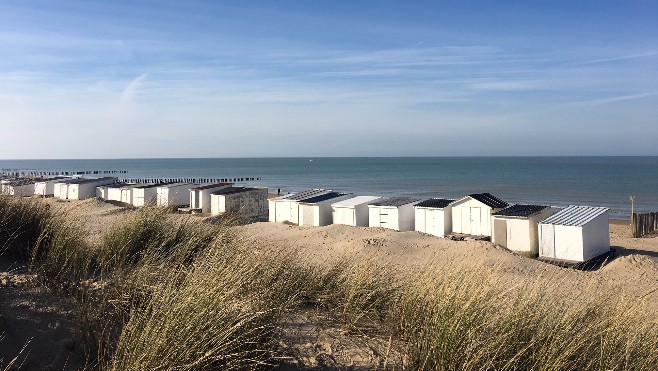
<point>142,78</point>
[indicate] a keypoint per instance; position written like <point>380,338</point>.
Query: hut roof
<point>521,210</point>
<point>89,180</point>
<point>358,200</point>
<point>302,196</point>
<point>232,190</point>
<point>576,216</point>
<point>177,184</point>
<point>210,186</point>
<point>489,200</point>
<point>323,197</point>
<point>437,203</point>
<point>395,201</point>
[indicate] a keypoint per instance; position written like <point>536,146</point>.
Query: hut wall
<point>596,237</point>
<point>252,203</point>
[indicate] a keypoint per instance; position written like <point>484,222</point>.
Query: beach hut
<point>434,216</point>
<point>144,195</point>
<point>18,187</point>
<point>46,187</point>
<point>126,193</point>
<point>316,211</point>
<point>516,227</point>
<point>472,214</point>
<point>246,201</point>
<point>200,195</point>
<point>353,211</point>
<point>575,234</point>
<point>175,194</point>
<point>394,213</point>
<point>80,188</point>
<point>286,208</point>
<point>110,192</point>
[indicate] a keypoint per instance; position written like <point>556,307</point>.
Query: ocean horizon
<point>547,180</point>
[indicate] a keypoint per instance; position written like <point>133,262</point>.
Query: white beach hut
<point>472,214</point>
<point>316,211</point>
<point>575,234</point>
<point>353,211</point>
<point>46,187</point>
<point>394,213</point>
<point>18,187</point>
<point>126,193</point>
<point>200,196</point>
<point>248,202</point>
<point>80,188</point>
<point>110,192</point>
<point>516,227</point>
<point>144,195</point>
<point>61,188</point>
<point>286,208</point>
<point>175,194</point>
<point>434,216</point>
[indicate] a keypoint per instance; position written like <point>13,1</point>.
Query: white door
<point>476,229</point>
<point>383,218</point>
<point>430,222</point>
<point>547,243</point>
<point>373,217</point>
<point>466,220</point>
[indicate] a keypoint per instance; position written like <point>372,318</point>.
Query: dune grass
<point>159,292</point>
<point>472,321</point>
<point>21,223</point>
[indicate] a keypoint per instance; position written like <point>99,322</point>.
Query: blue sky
<point>117,79</point>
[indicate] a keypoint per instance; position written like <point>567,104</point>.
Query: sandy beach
<point>32,314</point>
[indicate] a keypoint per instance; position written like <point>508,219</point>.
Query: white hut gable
<point>472,214</point>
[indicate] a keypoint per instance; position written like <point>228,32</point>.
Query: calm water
<point>557,181</point>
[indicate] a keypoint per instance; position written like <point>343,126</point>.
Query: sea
<point>552,181</point>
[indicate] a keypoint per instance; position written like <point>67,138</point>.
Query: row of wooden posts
<point>185,180</point>
<point>644,224</point>
<point>18,172</point>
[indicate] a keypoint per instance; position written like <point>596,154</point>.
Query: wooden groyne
<point>186,180</point>
<point>644,224</point>
<point>22,172</point>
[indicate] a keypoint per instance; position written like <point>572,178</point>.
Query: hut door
<point>383,218</point>
<point>547,243</point>
<point>431,225</point>
<point>308,215</point>
<point>375,219</point>
<point>475,221</point>
<point>500,232</point>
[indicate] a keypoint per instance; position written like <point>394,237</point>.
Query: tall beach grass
<point>163,292</point>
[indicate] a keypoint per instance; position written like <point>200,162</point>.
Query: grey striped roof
<point>323,197</point>
<point>576,216</point>
<point>436,203</point>
<point>521,210</point>
<point>395,201</point>
<point>308,194</point>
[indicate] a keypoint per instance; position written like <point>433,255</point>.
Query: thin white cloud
<point>620,58</point>
<point>620,98</point>
<point>508,85</point>
<point>129,93</point>
<point>12,99</point>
